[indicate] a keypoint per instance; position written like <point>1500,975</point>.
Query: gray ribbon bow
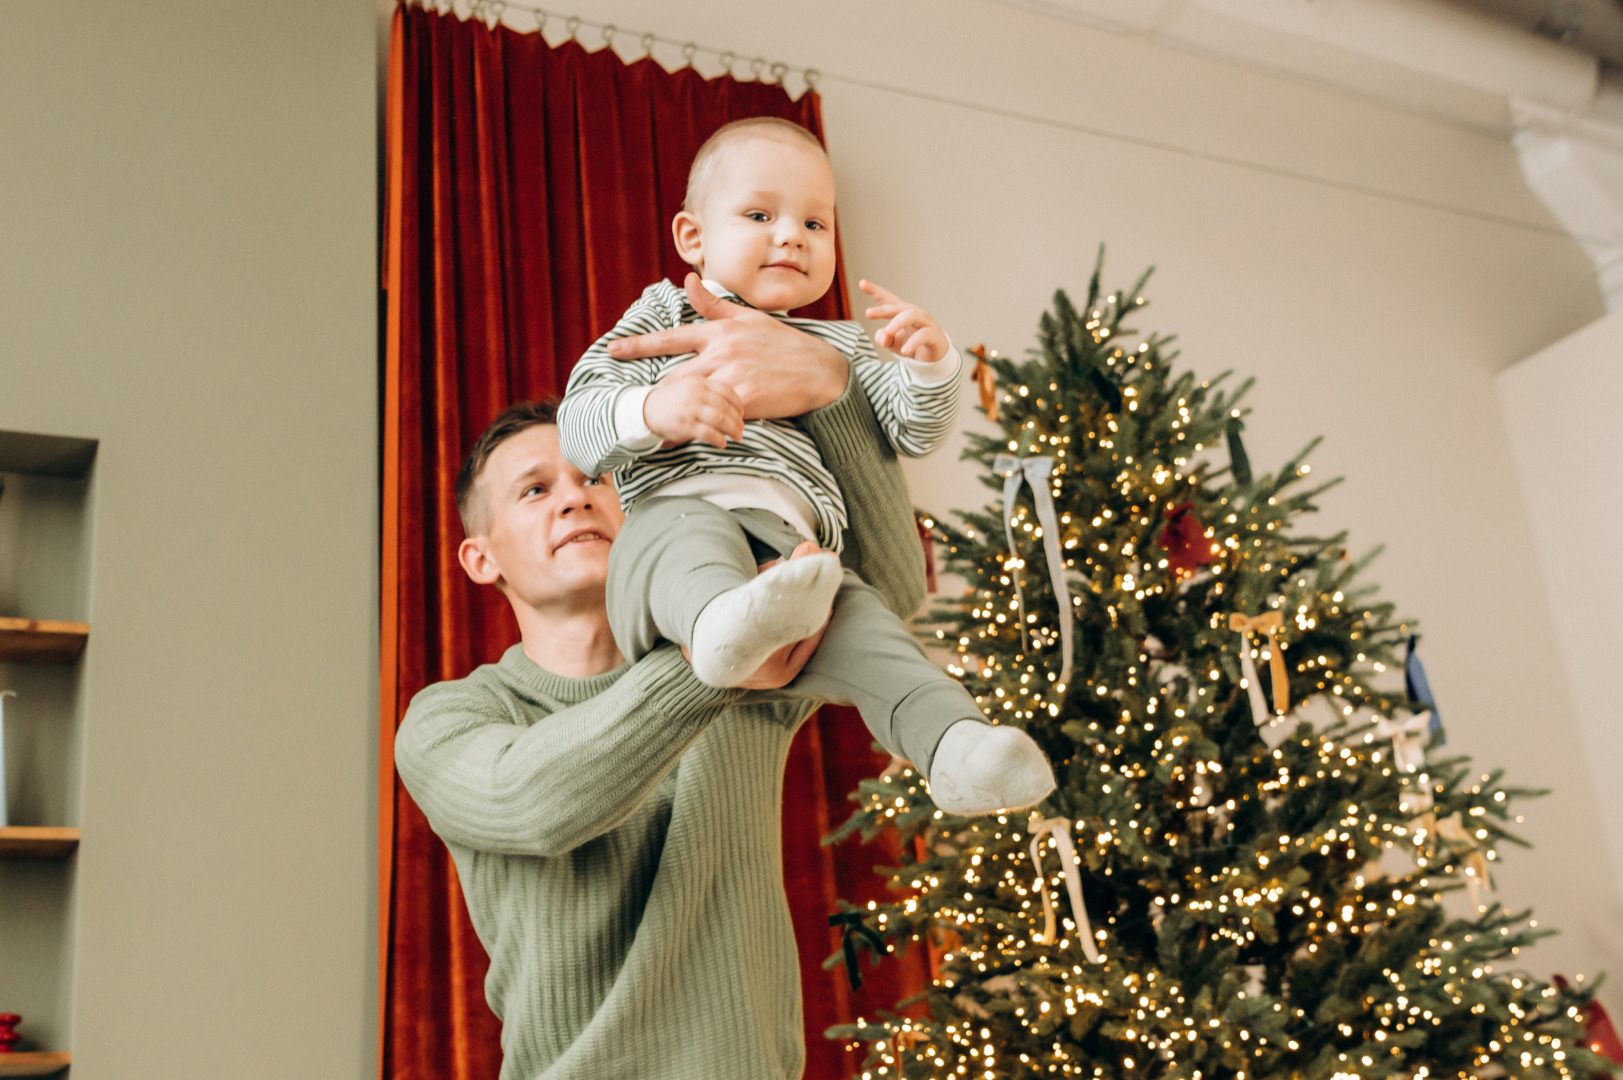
<point>1037,470</point>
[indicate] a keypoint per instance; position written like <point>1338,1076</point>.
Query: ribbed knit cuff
<point>666,682</point>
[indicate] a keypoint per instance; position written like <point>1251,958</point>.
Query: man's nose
<point>573,496</point>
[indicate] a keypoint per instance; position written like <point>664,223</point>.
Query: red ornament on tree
<point>1184,538</point>
<point>1599,1033</point>
<point>8,1032</point>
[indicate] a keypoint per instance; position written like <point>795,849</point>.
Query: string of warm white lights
<point>1259,909</point>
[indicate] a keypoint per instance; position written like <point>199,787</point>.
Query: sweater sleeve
<point>587,429</point>
<point>916,413</point>
<point>882,543</point>
<point>490,784</point>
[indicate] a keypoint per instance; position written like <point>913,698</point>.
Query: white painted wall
<point>1372,267</point>
<point>1560,407</point>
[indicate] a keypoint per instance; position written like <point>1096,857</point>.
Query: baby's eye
<point>756,215</point>
<point>594,480</point>
<point>535,489</point>
<point>815,225</point>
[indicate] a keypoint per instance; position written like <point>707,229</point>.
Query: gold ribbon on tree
<point>1268,623</point>
<point>985,378</point>
<point>1060,829</point>
<point>1037,470</point>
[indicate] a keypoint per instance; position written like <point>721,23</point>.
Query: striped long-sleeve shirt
<point>915,415</point>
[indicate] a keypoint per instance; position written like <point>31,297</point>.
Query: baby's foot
<point>738,630</point>
<point>980,767</point>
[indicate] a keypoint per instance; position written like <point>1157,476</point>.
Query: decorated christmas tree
<point>1259,861</point>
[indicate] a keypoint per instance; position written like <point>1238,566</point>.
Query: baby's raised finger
<point>879,292</point>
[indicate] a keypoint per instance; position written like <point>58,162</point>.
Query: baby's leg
<point>682,569</point>
<point>869,659</point>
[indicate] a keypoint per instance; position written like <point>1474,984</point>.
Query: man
<point>616,827</point>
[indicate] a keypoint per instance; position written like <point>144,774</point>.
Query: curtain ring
<point>572,24</point>
<point>540,18</point>
<point>648,44</point>
<point>756,67</point>
<point>687,53</point>
<point>727,59</point>
<point>494,9</point>
<point>608,34</point>
<point>778,71</point>
<point>810,77</point>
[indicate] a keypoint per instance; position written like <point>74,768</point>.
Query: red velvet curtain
<point>529,195</point>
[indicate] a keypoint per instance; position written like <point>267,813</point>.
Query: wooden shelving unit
<point>41,641</point>
<point>34,1063</point>
<point>45,519</point>
<point>37,842</point>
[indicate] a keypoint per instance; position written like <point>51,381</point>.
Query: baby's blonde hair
<point>704,162</point>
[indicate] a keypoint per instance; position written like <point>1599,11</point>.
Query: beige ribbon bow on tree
<point>1267,721</point>
<point>1060,829</point>
<point>1038,471</point>
<point>1452,830</point>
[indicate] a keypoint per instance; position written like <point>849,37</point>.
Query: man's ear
<point>685,231</point>
<point>474,555</point>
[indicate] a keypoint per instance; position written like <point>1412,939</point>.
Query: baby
<point>710,497</point>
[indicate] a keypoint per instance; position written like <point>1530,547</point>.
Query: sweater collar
<point>516,665</point>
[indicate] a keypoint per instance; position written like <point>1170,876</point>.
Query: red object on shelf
<point>8,1032</point>
<point>1599,1034</point>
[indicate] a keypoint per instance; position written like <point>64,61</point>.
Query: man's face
<point>764,226</point>
<point>548,526</point>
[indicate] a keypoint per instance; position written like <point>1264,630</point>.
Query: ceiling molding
<point>1419,55</point>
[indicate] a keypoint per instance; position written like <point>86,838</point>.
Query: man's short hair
<point>513,419</point>
<point>704,162</point>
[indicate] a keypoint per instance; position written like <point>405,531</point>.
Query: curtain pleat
<point>529,193</point>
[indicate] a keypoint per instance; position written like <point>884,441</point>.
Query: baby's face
<point>764,226</point>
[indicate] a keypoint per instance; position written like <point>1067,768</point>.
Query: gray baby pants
<point>675,554</point>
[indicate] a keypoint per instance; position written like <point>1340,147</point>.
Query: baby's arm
<point>615,411</point>
<point>590,418</point>
<point>915,398</point>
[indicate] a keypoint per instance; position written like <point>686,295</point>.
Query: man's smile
<point>580,536</point>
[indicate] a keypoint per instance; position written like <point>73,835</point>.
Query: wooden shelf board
<point>41,641</point>
<point>37,842</point>
<point>34,1063</point>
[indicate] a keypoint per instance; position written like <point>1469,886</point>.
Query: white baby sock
<point>980,767</point>
<point>740,628</point>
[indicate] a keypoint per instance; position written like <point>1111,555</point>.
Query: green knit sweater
<point>617,837</point>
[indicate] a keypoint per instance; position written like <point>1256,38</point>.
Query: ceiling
<point>1592,26</point>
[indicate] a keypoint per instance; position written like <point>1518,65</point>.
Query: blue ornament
<point>1419,690</point>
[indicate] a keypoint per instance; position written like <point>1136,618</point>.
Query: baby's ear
<point>685,231</point>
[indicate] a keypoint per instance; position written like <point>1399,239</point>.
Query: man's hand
<point>773,369</point>
<point>693,409</point>
<point>921,339</point>
<point>783,666</point>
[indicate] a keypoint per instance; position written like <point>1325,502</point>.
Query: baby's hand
<point>688,409</point>
<point>921,339</point>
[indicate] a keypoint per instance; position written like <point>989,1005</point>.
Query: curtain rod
<point>491,11</point>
